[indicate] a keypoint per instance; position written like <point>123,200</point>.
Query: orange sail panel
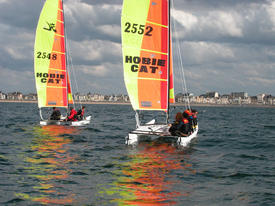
<point>50,57</point>
<point>145,52</point>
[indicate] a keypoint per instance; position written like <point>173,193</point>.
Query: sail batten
<point>152,79</point>
<point>149,22</point>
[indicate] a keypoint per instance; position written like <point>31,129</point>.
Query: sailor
<point>188,115</point>
<point>177,128</point>
<point>80,113</point>
<point>186,128</point>
<point>195,118</point>
<point>73,115</point>
<point>55,114</point>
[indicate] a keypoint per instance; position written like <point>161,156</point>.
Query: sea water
<point>232,162</point>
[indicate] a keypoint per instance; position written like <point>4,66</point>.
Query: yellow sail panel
<point>171,79</point>
<point>133,20</point>
<point>145,53</point>
<point>50,57</point>
<point>70,96</point>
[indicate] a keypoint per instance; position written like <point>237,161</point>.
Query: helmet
<point>187,111</point>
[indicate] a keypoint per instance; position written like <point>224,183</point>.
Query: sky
<point>226,45</point>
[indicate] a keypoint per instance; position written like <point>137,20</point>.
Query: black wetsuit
<point>55,115</point>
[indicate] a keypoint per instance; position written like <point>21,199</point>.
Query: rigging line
<point>184,87</point>
<point>66,62</point>
<point>71,67</point>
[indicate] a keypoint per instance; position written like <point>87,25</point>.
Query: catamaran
<point>50,65</point>
<point>147,63</point>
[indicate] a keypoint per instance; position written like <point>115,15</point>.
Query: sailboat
<point>147,63</point>
<point>50,63</point>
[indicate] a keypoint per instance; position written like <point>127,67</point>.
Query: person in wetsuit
<point>195,118</point>
<point>187,126</point>
<point>56,114</point>
<point>188,115</point>
<point>80,113</point>
<point>178,126</point>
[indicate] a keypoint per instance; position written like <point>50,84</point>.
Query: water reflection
<point>49,165</point>
<point>154,176</point>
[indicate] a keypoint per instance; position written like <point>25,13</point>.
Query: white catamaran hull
<point>161,130</point>
<point>83,122</point>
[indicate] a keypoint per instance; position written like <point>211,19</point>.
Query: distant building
<point>97,97</point>
<point>15,96</point>
<point>30,97</point>
<point>254,100</point>
<point>211,95</point>
<point>260,98</point>
<point>242,95</point>
<point>2,96</point>
<point>180,97</point>
<point>224,99</point>
<point>269,99</point>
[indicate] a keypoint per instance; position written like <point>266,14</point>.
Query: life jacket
<point>73,115</point>
<point>185,121</point>
<point>186,129</point>
<point>187,111</point>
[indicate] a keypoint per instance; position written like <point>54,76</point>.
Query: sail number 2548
<point>45,55</point>
<point>138,28</point>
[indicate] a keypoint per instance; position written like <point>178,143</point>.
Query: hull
<point>157,130</point>
<point>184,141</point>
<point>83,122</point>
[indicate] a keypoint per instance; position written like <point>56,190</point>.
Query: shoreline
<point>176,104</point>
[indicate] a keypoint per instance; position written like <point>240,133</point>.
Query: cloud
<point>11,80</point>
<point>214,25</point>
<point>93,21</point>
<point>226,45</point>
<point>105,78</point>
<point>95,52</point>
<point>20,14</point>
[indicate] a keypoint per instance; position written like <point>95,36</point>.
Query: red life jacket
<point>72,115</point>
<point>185,121</point>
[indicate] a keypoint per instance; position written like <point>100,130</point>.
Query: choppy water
<point>232,162</point>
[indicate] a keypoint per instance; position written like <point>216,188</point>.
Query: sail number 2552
<point>45,55</point>
<point>138,28</point>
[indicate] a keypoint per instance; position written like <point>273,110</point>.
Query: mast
<point>66,61</point>
<point>169,63</point>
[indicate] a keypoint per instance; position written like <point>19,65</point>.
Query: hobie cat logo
<point>145,64</point>
<point>51,27</point>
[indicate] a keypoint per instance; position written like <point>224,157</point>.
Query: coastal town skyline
<point>213,98</point>
<point>226,45</point>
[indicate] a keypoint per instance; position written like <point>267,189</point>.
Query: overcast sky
<point>227,45</point>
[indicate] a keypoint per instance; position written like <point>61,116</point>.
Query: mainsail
<point>148,72</point>
<point>50,58</point>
